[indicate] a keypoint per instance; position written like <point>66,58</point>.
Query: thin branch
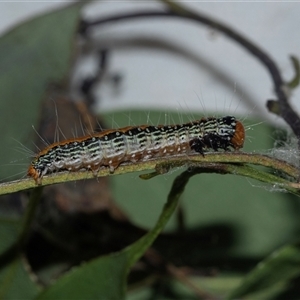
<point>161,166</point>
<point>285,110</point>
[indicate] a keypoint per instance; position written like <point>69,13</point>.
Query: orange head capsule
<point>239,136</point>
<point>32,172</point>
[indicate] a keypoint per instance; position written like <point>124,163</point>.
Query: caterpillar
<point>112,147</point>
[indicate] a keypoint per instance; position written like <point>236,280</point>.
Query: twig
<point>280,87</point>
<point>161,166</point>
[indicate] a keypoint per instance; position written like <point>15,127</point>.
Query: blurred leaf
<point>277,270</point>
<point>33,55</point>
<point>105,277</point>
<point>102,278</point>
<point>251,209</point>
<point>9,231</point>
<point>15,274</point>
<point>220,285</point>
<point>16,282</point>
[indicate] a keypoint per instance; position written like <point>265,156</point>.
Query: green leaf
<point>15,278</point>
<point>33,55</point>
<point>277,270</point>
<point>9,231</point>
<point>251,209</point>
<point>102,278</point>
<point>105,277</point>
<point>16,282</point>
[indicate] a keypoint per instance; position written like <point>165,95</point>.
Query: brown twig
<point>285,110</point>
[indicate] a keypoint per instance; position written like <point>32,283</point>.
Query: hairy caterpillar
<point>110,148</point>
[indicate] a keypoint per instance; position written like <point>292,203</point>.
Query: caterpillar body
<point>110,148</point>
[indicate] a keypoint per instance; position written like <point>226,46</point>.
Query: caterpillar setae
<point>110,148</point>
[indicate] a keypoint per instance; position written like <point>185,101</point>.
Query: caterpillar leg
<point>197,146</point>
